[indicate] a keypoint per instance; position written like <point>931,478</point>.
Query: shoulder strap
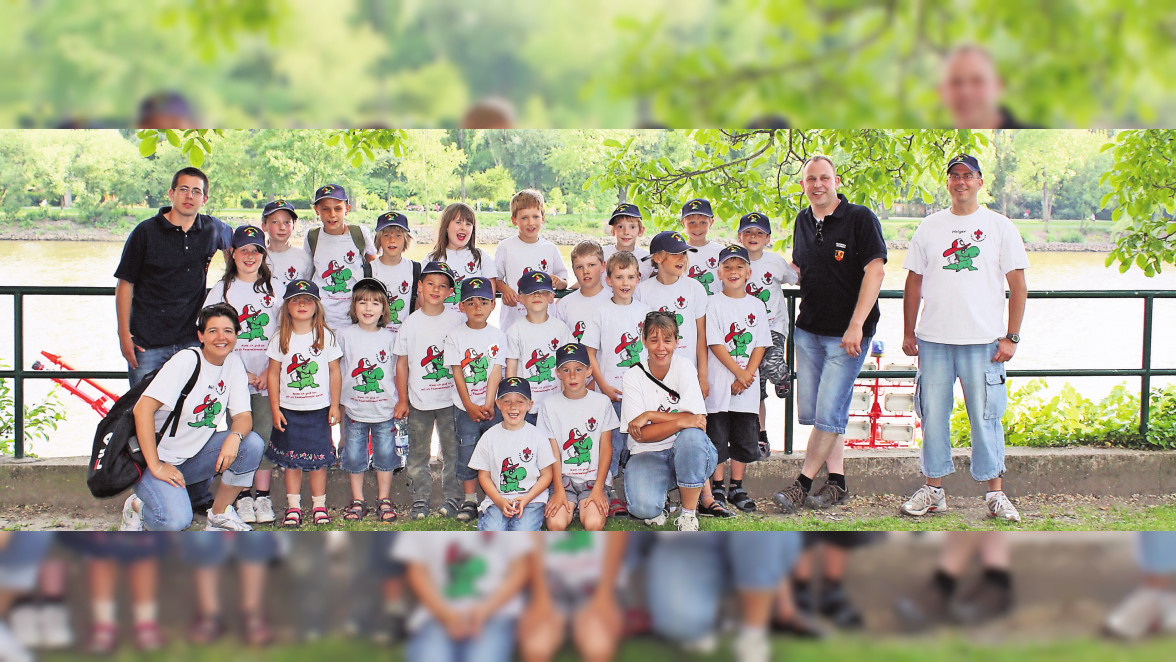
<point>673,394</point>
<point>312,238</point>
<point>173,418</point>
<point>416,278</point>
<point>361,245</point>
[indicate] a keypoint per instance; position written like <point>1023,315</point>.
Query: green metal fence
<point>1145,372</point>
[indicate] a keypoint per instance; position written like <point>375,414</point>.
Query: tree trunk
<point>67,199</point>
<point>1046,208</point>
<point>461,146</point>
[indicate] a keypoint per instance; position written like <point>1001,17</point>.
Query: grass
<point>947,646</point>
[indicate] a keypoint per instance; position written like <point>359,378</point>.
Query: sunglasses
<point>820,226</point>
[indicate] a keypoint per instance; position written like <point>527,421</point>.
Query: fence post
<point>18,377</point>
<point>1145,379</point>
<point>790,360</point>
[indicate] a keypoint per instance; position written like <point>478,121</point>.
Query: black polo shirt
<point>831,273</point>
<point>168,268</point>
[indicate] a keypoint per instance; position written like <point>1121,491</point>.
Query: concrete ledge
<point>60,482</point>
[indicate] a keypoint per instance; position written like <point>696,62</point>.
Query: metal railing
<point>19,373</point>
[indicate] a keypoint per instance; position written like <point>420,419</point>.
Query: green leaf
<point>148,145</point>
<point>610,142</point>
<point>196,156</point>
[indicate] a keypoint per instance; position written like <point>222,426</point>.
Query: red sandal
<point>293,518</point>
<point>320,516</point>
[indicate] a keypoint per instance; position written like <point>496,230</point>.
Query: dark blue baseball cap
<point>734,250</point>
<point>248,235</point>
<point>439,268</point>
<point>966,159</point>
<point>477,288</point>
<point>697,206</point>
<point>755,220</point>
<point>330,191</point>
<point>513,385</point>
<point>391,219</point>
<point>535,281</point>
<point>572,351</point>
<point>278,205</point>
<point>301,286</point>
<point>669,241</point>
<point>625,209</point>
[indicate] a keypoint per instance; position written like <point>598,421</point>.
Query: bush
<point>39,419</point>
<point>1071,237</point>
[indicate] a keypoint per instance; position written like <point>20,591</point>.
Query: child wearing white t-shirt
<point>398,273</point>
<point>578,309</point>
<point>525,253</point>
<point>340,253</point>
<point>457,247</point>
<point>533,339</point>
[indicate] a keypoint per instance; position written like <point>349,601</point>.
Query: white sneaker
<point>707,645</point>
<point>925,500</point>
<point>245,510</point>
<point>1000,507</point>
<point>1168,619</point>
<point>1140,613</point>
<point>752,647</point>
<point>229,521</point>
<point>26,627</point>
<point>131,520</point>
<point>660,520</point>
<point>263,510</point>
<point>55,630</point>
<point>687,522</point>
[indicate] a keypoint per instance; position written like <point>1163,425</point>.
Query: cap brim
<point>752,226</point>
<point>299,294</point>
<point>329,195</point>
<point>565,361</point>
<point>736,257</point>
<point>708,214</point>
<point>614,217</point>
<point>291,212</point>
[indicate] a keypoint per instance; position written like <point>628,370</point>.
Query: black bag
<point>116,461</point>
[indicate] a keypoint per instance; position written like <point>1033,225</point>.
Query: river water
<point>1056,334</point>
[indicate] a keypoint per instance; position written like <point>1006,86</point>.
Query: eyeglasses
<point>184,191</point>
<point>958,177</point>
<point>820,226</point>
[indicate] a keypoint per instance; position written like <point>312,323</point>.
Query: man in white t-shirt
<point>958,262</point>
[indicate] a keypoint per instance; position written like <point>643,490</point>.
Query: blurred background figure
<point>40,618</point>
<point>970,89</point>
<point>489,113</point>
<point>20,560</point>
<point>1150,608</point>
<point>827,597</point>
<point>208,551</point>
<point>379,600</point>
<point>939,601</point>
<point>166,110</point>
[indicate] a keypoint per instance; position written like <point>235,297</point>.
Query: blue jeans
<point>648,476</point>
<point>687,577</point>
<point>495,643</point>
<point>212,548</point>
<point>492,519</point>
<point>355,446</point>
<point>167,508</point>
<point>620,441</point>
<point>1157,552</point>
<point>153,359</point>
<point>985,396</point>
<point>468,433</point>
<point>824,380</point>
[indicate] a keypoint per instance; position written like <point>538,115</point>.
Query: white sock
<point>318,501</point>
<point>11,648</point>
<point>992,495</point>
<point>147,612</point>
<point>687,511</point>
<point>294,501</point>
<point>105,612</point>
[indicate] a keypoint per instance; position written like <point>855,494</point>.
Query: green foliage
<point>39,419</point>
<point>1070,237</point>
<point>1143,182</point>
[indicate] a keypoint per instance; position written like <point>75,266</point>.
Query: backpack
<point>312,239</point>
<point>116,461</point>
<point>416,278</point>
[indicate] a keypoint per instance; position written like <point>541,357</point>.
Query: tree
<point>1143,192</point>
<point>430,165</point>
<point>492,185</point>
<point>1047,159</point>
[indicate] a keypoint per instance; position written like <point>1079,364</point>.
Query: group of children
<point>529,411</point>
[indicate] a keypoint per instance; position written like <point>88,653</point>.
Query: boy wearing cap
<point>279,220</point>
<point>626,227</point>
<point>769,272</point>
<point>532,341</point>
<point>697,219</point>
<point>514,463</point>
<point>580,425</point>
<point>398,273</point>
<point>579,307</point>
<point>524,253</point>
<point>738,332</point>
<point>669,291</point>
<point>476,354</point>
<point>425,388</point>
<point>958,263</point>
<point>340,253</point>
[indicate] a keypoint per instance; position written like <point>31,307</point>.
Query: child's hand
<point>456,623</point>
<point>746,377</point>
<point>279,421</point>
<point>521,503</point>
<point>508,296</point>
<point>598,499</point>
<point>475,413</point>
<point>613,394</point>
<point>333,415</point>
<point>737,387</point>
<point>401,410</point>
<point>559,283</point>
<point>258,382</point>
<point>705,385</point>
<point>557,501</point>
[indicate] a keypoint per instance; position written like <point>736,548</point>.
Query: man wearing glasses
<point>839,251</point>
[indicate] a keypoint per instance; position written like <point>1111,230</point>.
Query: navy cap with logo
<point>301,286</point>
<point>391,219</point>
<point>572,351</point>
<point>513,385</point>
<point>625,209</point>
<point>755,220</point>
<point>249,235</point>
<point>966,159</point>
<point>330,191</point>
<point>669,241</point>
<point>697,206</point>
<point>734,250</point>
<point>278,205</point>
<point>535,281</point>
<point>375,283</point>
<point>477,288</point>
<point>439,268</point>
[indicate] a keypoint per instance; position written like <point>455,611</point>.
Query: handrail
<point>1145,372</point>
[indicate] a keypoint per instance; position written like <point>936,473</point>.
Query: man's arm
<point>123,293</point>
<point>851,342</point>
<point>1018,293</point>
<point>912,296</point>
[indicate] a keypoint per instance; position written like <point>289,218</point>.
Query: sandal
<point>256,632</point>
<point>356,511</point>
<point>719,492</point>
<point>617,508</point>
<point>205,629</point>
<point>103,639</point>
<point>742,500</point>
<point>385,510</point>
<point>148,637</point>
<point>293,518</point>
<point>715,509</point>
<point>320,516</point>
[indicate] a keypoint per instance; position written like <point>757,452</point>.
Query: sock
<point>805,482</point>
<point>687,511</point>
<point>990,495</point>
<point>105,612</point>
<point>944,583</point>
<point>318,501</point>
<point>244,494</point>
<point>471,496</point>
<point>837,479</point>
<point>396,607</point>
<point>260,493</point>
<point>999,577</point>
<point>294,501</point>
<point>146,613</point>
<point>736,484</point>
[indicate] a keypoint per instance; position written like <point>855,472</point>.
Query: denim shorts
<point>355,451</point>
<point>531,519</point>
<point>825,374</point>
<point>468,433</point>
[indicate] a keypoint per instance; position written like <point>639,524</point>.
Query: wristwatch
<point>1015,337</point>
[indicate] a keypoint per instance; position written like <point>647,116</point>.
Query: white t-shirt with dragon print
<point>305,376</point>
<point>257,312</point>
<point>369,374</point>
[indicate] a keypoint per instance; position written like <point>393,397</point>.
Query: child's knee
<point>592,519</point>
<point>559,521</point>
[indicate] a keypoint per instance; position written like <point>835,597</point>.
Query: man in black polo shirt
<point>161,276</point>
<point>839,251</point>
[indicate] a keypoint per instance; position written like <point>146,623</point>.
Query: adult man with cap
<point>958,263</point>
<point>840,253</point>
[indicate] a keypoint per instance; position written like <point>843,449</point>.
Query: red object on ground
<point>99,403</point>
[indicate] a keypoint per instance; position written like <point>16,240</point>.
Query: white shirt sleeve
<point>238,402</point>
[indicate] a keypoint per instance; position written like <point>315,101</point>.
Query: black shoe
<point>984,603</point>
<point>922,610</point>
<point>799,626</point>
<point>836,606</point>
